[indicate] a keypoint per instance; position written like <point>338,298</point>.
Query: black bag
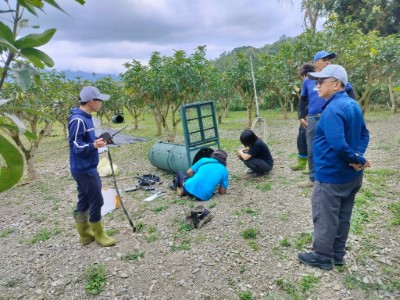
<point>147,180</point>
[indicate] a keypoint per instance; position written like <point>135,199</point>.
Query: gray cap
<point>334,71</point>
<point>91,92</point>
<point>220,155</point>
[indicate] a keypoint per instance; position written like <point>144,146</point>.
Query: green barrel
<point>173,157</point>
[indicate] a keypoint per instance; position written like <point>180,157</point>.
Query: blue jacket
<point>208,174</point>
<point>84,157</point>
<point>341,138</point>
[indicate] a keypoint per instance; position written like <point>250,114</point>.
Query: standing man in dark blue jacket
<point>340,142</point>
<point>84,159</point>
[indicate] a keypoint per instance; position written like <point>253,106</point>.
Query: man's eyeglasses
<point>320,81</point>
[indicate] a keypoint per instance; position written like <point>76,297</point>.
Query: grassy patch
<point>249,233</point>
<point>308,283</point>
<point>185,227</point>
<point>40,236</point>
<point>246,295</point>
<point>95,279</point>
<point>134,256</point>
<point>253,244</point>
<point>184,245</point>
<point>264,187</point>
<point>395,209</point>
<point>285,243</point>
<point>152,234</point>
<point>246,210</point>
<point>212,205</point>
<point>112,232</point>
<point>160,208</point>
<point>298,290</point>
<point>303,240</point>
<point>139,226</point>
<point>6,232</point>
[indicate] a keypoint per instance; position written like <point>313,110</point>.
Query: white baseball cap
<point>334,71</point>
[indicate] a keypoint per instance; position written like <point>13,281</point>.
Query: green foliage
<point>18,53</point>
<point>12,173</point>
<point>249,233</point>
<point>95,279</point>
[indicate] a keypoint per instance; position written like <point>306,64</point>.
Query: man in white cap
<point>340,142</point>
<point>310,108</point>
<point>84,159</point>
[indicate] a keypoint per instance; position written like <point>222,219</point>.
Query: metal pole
<point>254,86</point>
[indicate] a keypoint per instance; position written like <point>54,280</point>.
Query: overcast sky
<point>104,34</point>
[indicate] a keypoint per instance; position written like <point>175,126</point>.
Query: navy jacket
<point>84,157</point>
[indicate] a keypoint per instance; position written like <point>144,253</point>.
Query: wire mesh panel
<point>199,125</point>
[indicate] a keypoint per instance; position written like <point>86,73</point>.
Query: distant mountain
<point>71,75</point>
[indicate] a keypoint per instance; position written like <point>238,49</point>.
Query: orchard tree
<point>240,78</point>
<point>115,104</point>
<point>370,60</point>
<point>19,54</point>
<point>134,98</point>
<point>382,16</point>
<point>281,76</point>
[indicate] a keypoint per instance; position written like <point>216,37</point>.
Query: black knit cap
<point>220,155</point>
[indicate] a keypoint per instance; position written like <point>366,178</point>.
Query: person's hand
<point>99,143</point>
<point>360,167</point>
<point>303,122</point>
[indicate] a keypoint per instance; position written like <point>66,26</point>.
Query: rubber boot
<point>101,237</point>
<point>301,164</point>
<point>83,228</point>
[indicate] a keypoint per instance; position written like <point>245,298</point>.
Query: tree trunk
<point>30,163</point>
<point>393,103</point>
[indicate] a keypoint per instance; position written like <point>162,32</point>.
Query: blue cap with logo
<point>335,71</point>
<point>324,54</point>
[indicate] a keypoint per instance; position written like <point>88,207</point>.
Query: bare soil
<point>220,263</point>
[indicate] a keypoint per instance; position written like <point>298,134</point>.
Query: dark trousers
<point>89,195</point>
<point>302,142</point>
<point>332,205</point>
<point>310,134</point>
<point>179,181</point>
<point>258,165</point>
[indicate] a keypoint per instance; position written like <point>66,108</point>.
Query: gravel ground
<point>220,263</point>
